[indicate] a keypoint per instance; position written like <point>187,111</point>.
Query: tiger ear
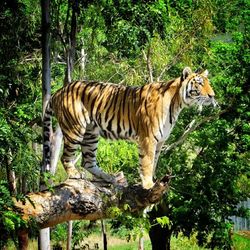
<point>205,73</point>
<point>185,73</point>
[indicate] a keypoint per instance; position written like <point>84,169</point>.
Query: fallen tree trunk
<point>80,199</point>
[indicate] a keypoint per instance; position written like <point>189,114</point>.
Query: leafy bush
<point>10,220</point>
<point>115,156</point>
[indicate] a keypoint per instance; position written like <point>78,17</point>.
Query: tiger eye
<point>199,80</point>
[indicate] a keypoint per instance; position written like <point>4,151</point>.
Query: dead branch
<point>149,65</point>
<point>80,199</point>
<point>174,60</point>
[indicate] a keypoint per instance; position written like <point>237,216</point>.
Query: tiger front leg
<point>146,157</point>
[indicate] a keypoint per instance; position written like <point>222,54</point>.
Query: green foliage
<point>81,230</point>
<point>241,242</point>
<point>19,70</point>
<point>130,24</point>
<point>59,234</point>
<point>10,220</point>
<point>115,156</point>
<point>163,221</point>
<point>129,226</point>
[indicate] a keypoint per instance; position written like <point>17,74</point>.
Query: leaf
<point>163,221</point>
<point>9,224</point>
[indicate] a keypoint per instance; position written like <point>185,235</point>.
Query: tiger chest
<point>166,131</point>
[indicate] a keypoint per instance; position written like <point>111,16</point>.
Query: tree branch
<point>175,59</point>
<point>80,199</point>
<point>149,65</point>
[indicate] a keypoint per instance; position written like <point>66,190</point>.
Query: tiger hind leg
<point>89,149</point>
<point>68,159</point>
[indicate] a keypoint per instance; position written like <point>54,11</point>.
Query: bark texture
<point>78,199</point>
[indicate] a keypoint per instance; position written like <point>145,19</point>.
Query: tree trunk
<point>46,91</point>
<point>82,63</point>
<point>104,236</point>
<point>70,55</point>
<point>44,239</point>
<point>46,87</point>
<point>69,235</point>
<point>11,176</point>
<point>70,50</point>
<point>159,236</point>
<point>141,244</point>
<point>23,240</point>
<point>56,143</point>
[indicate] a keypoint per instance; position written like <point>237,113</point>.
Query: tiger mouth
<point>207,101</point>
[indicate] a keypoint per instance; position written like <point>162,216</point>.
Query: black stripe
<point>104,132</point>
<point>170,113</point>
<point>146,100</point>
<point>112,90</point>
<point>75,100</point>
<point>159,126</point>
<point>109,104</point>
<point>109,127</point>
<point>91,166</point>
<point>102,89</point>
<point>166,86</point>
<point>155,138</point>
<point>66,112</point>
<point>84,94</point>
<point>131,121</point>
<point>70,150</point>
<point>126,96</point>
<point>141,90</point>
<point>89,154</point>
<point>85,85</point>
<point>113,102</point>
<point>114,135</point>
<point>119,115</point>
<point>92,106</point>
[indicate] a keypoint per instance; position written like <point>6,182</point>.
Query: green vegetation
<point>211,167</point>
<point>117,243</point>
<point>9,219</point>
<point>241,242</point>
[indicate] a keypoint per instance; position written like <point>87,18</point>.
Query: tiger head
<point>196,89</point>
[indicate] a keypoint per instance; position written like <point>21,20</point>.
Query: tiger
<point>146,115</point>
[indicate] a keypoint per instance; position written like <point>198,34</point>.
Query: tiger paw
<point>75,175</point>
<point>120,180</point>
<point>101,182</point>
<point>72,172</point>
<point>148,184</point>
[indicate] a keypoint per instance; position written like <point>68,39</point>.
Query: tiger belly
<point>113,133</point>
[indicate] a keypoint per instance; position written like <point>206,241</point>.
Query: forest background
<point>133,42</point>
